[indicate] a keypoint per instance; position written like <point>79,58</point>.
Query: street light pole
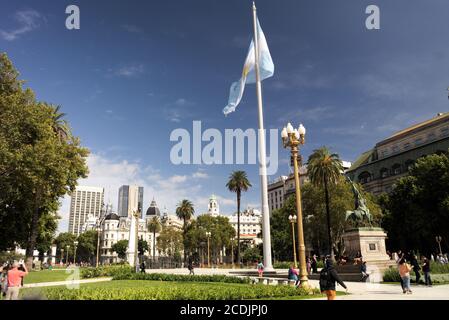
<point>293,138</point>
<point>74,255</point>
<point>62,255</point>
<point>232,252</point>
<point>67,258</point>
<point>292,220</point>
<point>208,234</point>
<point>438,239</point>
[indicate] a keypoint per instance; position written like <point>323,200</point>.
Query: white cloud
<point>129,71</point>
<point>132,28</point>
<point>200,175</point>
<point>28,20</point>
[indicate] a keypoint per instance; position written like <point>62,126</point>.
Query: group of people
<point>409,262</point>
<point>11,279</point>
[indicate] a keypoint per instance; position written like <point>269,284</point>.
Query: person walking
<point>426,270</point>
<point>15,277</point>
<point>293,275</point>
<point>314,264</point>
<point>365,275</point>
<point>404,272</point>
<point>4,279</point>
<point>416,268</point>
<point>260,268</point>
<point>400,257</point>
<point>308,265</point>
<point>328,279</point>
<point>191,268</point>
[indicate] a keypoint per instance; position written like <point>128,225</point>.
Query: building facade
<point>129,198</point>
<point>379,168</point>
<point>213,207</point>
<point>250,225</point>
<point>85,201</point>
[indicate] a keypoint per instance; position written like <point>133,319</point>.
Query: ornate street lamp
<point>74,255</point>
<point>208,234</point>
<point>292,220</point>
<point>293,138</point>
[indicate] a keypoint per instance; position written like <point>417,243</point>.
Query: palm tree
<point>324,170</point>
<point>185,211</point>
<point>238,182</point>
<point>59,125</point>
<point>154,226</point>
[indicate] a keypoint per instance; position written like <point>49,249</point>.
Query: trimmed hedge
<point>194,292</point>
<point>105,271</point>
<point>180,278</point>
<point>287,264</point>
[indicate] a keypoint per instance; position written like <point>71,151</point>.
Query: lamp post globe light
<point>74,254</point>
<point>293,138</point>
<point>208,234</point>
<point>67,252</point>
<point>438,240</point>
<point>292,220</point>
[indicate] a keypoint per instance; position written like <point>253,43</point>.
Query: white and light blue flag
<point>266,69</point>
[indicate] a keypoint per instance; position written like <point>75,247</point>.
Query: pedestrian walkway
<point>64,283</point>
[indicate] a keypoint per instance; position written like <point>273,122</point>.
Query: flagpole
<point>262,156</point>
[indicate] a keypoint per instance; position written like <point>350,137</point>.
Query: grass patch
<point>169,290</point>
<point>46,276</point>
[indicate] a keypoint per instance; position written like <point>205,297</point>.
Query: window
<point>396,169</point>
<point>384,173</point>
<point>445,132</point>
<point>418,142</point>
<point>432,136</point>
<point>365,177</point>
<point>407,145</point>
<point>395,149</point>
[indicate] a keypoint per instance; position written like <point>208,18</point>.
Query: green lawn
<point>144,289</point>
<point>47,276</point>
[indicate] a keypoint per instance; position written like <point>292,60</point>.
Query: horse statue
<point>361,211</point>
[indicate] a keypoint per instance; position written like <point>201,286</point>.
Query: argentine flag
<point>266,68</point>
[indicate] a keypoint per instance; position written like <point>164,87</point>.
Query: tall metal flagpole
<point>262,156</point>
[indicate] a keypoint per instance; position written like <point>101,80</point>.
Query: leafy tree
<point>170,241</point>
<point>87,246</point>
<point>417,209</point>
<point>185,212</point>
<point>324,169</point>
<point>37,164</point>
<point>154,226</point>
<point>221,233</point>
<point>120,247</point>
<point>63,240</point>
<point>252,254</point>
<point>142,246</point>
<point>238,182</point>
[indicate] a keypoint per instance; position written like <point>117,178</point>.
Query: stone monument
<point>365,240</point>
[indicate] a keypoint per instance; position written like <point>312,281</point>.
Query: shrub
<point>180,278</point>
<point>194,292</point>
<point>106,271</point>
<point>391,275</point>
<point>439,268</point>
<point>286,264</point>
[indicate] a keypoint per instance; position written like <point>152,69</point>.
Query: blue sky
<point>136,70</point>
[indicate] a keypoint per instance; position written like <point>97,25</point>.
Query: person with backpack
<point>293,275</point>
<point>314,264</point>
<point>365,275</point>
<point>328,279</point>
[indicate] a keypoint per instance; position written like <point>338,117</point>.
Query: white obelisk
<point>262,157</point>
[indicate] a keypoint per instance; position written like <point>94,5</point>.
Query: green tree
<point>37,164</point>
<point>142,246</point>
<point>185,212</point>
<point>120,247</point>
<point>63,240</point>
<point>252,254</point>
<point>238,182</point>
<point>87,246</point>
<point>324,169</point>
<point>417,209</point>
<point>170,241</point>
<point>154,226</point>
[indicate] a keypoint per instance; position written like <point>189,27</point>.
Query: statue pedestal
<point>370,242</point>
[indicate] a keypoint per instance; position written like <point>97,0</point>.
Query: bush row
<point>287,264</point>
<point>194,292</point>
<point>105,271</point>
<point>180,278</point>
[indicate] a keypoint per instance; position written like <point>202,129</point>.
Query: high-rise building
<point>129,199</point>
<point>85,201</point>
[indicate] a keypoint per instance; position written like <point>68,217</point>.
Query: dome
<point>153,210</point>
<point>112,216</point>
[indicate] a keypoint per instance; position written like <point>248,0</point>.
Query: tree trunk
<point>33,234</point>
<point>154,245</point>
<point>328,215</point>
<point>184,239</point>
<point>238,227</point>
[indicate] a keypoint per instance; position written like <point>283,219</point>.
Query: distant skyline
<point>137,70</point>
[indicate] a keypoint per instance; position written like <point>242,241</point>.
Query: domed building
<point>213,208</point>
<point>153,210</point>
